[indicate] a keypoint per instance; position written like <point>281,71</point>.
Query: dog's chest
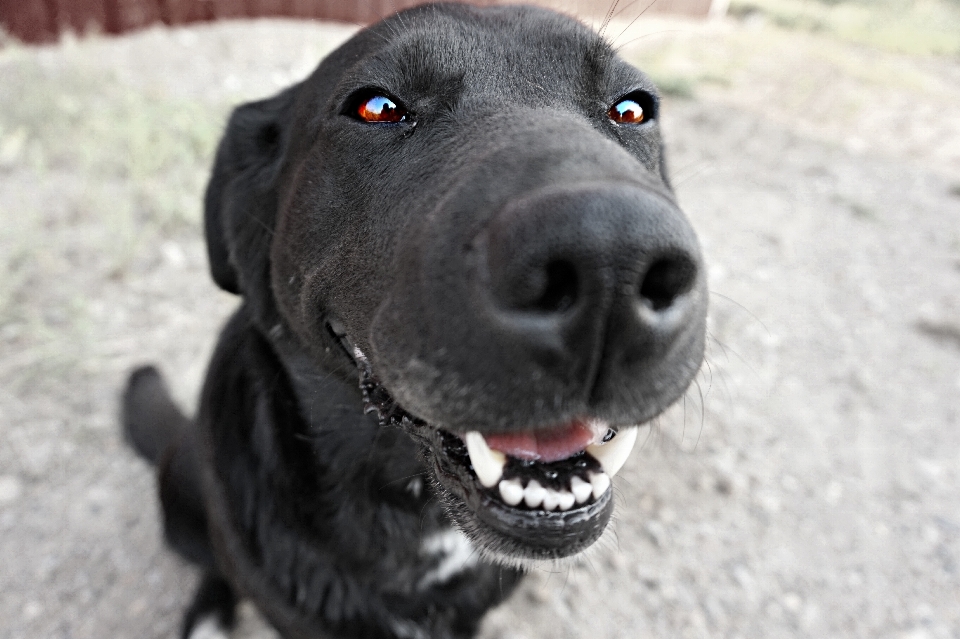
<point>449,554</point>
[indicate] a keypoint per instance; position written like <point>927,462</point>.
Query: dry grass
<point>92,171</point>
<point>918,27</point>
<point>824,82</point>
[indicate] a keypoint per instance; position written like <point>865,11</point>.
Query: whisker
<point>692,175</point>
<point>739,357</point>
<point>263,224</point>
<point>608,18</point>
<point>639,15</point>
<point>619,48</point>
<point>423,511</point>
<point>724,387</point>
<point>625,7</point>
<point>683,431</point>
<point>394,481</point>
<point>653,425</point>
<point>703,413</point>
<point>675,175</point>
<point>745,309</point>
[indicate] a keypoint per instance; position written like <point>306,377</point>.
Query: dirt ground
<point>807,486</point>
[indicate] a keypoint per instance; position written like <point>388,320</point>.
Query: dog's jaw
<point>509,534</point>
<point>504,533</point>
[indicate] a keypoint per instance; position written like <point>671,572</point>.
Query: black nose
<point>594,280</point>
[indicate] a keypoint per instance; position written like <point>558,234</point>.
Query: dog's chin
<point>567,511</point>
<point>513,534</point>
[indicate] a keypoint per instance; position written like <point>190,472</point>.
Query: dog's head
<point>474,203</point>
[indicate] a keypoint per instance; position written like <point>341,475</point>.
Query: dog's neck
<point>376,466</point>
<point>348,520</point>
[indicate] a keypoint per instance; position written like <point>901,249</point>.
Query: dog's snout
<point>588,274</point>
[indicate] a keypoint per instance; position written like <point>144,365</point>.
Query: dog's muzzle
<point>538,494</point>
<point>540,312</point>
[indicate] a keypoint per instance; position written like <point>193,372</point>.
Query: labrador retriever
<point>465,284</point>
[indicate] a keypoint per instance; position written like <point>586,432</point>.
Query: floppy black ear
<point>241,199</point>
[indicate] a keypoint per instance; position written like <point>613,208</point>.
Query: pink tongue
<point>545,445</point>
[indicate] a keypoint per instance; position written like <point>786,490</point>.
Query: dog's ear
<point>241,200</point>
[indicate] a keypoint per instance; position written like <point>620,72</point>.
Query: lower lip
<point>516,532</point>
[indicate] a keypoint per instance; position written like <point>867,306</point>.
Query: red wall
<point>43,20</point>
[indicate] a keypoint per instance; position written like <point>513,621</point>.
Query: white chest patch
<point>209,628</point>
<point>453,552</point>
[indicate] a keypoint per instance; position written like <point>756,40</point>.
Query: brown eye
<point>380,108</point>
<point>627,112</point>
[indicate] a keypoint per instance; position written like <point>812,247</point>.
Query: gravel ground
<point>806,487</point>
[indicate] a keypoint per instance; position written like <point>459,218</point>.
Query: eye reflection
<point>627,112</point>
<point>380,108</point>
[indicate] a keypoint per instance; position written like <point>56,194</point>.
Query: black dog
<point>467,211</point>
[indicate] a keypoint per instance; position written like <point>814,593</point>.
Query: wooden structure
<point>44,20</point>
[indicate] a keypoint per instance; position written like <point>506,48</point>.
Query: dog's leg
<point>213,612</point>
<point>184,516</point>
<point>151,421</point>
<point>162,434</point>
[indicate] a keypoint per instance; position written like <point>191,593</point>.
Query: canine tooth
<point>613,455</point>
<point>581,489</point>
<point>600,483</point>
<point>551,500</point>
<point>487,463</point>
<point>511,491</point>
<point>566,500</point>
<point>533,494</point>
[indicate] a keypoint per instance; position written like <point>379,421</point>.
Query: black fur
<point>505,259</point>
<point>215,600</point>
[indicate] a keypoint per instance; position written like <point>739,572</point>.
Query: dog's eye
<point>635,108</point>
<point>380,108</point>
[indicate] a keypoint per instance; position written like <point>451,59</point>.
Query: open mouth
<point>551,469</point>
<point>540,493</point>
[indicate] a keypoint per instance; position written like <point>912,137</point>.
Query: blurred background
<point>807,486</point>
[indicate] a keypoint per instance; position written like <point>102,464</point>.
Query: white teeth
<point>487,463</point>
<point>613,455</point>
<point>600,483</point>
<point>581,489</point>
<point>511,490</point>
<point>551,500</point>
<point>566,500</point>
<point>536,496</point>
<point>533,494</point>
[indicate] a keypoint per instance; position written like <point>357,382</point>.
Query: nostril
<point>666,280</point>
<point>559,288</point>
